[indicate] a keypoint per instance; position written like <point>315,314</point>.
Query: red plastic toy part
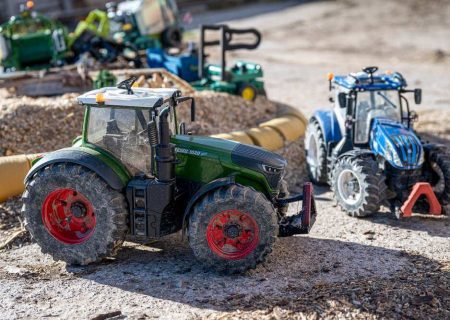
<point>68,216</point>
<point>232,234</point>
<point>419,189</point>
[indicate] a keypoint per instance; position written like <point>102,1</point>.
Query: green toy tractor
<point>136,171</point>
<point>243,78</point>
<point>31,41</point>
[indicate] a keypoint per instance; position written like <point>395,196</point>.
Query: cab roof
<point>362,81</point>
<point>141,97</point>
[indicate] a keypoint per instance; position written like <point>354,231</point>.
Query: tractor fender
<point>213,185</point>
<point>329,125</point>
<point>81,158</point>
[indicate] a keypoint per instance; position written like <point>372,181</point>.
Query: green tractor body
<point>243,78</point>
<point>31,41</point>
<point>136,164</point>
<point>241,75</point>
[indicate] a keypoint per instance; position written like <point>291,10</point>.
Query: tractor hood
<point>397,144</point>
<point>234,154</point>
<point>258,159</point>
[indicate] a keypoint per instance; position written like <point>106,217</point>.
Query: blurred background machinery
<point>74,10</point>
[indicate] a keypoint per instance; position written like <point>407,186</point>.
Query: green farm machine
<point>243,78</point>
<point>145,23</point>
<point>30,41</point>
<point>39,56</point>
<point>137,171</point>
<point>136,24</point>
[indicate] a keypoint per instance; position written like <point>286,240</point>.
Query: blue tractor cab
<point>366,148</point>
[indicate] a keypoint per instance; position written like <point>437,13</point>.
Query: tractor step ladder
<point>419,189</point>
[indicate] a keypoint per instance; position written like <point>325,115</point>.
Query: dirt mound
<point>29,125</point>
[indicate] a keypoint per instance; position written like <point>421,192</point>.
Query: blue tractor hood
<point>396,143</point>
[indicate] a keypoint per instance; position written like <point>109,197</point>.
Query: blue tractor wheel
<point>358,185</point>
<point>439,163</point>
<point>316,153</point>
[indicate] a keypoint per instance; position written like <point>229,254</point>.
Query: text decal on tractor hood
<point>192,152</point>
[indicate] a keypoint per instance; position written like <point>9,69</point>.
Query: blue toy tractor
<point>367,150</point>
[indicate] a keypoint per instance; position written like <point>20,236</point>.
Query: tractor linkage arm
<point>301,222</point>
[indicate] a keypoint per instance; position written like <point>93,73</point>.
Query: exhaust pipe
<point>165,151</point>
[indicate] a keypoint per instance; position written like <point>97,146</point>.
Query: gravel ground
<point>345,268</point>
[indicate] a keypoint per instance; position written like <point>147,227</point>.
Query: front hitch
<point>302,222</point>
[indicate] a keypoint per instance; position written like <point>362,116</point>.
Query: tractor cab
<point>366,96</point>
<point>30,40</point>
<point>122,121</point>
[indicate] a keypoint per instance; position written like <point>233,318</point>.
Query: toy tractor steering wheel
<point>127,84</point>
<point>370,70</point>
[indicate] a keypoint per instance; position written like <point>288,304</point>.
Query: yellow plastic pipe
<point>13,170</point>
<point>238,136</point>
<point>290,127</point>
<point>266,137</point>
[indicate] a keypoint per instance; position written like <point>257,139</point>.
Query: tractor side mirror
<point>342,98</point>
<point>418,96</point>
<point>183,99</point>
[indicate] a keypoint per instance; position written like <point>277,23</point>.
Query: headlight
<point>391,155</point>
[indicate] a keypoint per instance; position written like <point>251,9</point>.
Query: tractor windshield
<point>123,133</point>
<point>371,105</point>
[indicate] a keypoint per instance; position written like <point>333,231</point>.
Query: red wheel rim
<point>68,216</point>
<point>232,234</point>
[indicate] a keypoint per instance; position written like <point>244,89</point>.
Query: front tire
<point>358,186</point>
<point>232,229</point>
<point>74,215</point>
<point>316,153</point>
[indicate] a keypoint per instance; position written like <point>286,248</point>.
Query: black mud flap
<point>302,222</point>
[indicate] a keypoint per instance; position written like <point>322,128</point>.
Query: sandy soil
<point>346,268</point>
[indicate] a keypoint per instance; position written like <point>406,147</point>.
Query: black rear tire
<point>316,153</point>
<point>246,214</point>
<point>363,195</point>
<point>109,209</point>
<point>439,163</point>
